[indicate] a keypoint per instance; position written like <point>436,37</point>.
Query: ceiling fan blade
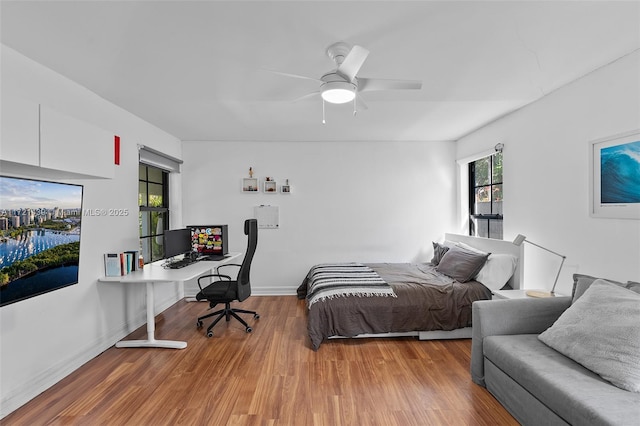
<point>307,96</point>
<point>352,63</point>
<point>286,74</point>
<point>371,84</point>
<point>360,103</point>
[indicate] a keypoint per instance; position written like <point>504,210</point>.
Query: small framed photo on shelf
<point>285,189</point>
<point>250,185</point>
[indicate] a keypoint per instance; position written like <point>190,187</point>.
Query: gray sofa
<point>535,383</point>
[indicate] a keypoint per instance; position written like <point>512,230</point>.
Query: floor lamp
<point>536,293</point>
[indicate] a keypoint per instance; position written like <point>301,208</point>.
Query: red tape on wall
<point>116,148</point>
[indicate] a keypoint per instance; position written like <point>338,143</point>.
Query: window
<point>485,197</point>
<point>153,190</point>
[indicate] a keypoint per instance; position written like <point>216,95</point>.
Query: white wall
<point>546,174</point>
<point>44,338</point>
<point>379,201</point>
<point>350,201</point>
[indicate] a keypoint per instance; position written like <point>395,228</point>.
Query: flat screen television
<point>40,224</point>
<point>209,239</point>
<point>176,242</point>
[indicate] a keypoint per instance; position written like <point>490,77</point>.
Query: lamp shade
<point>338,92</point>
<point>519,239</point>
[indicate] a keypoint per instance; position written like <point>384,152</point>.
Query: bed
<point>406,299</point>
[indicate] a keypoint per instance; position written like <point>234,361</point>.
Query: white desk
<point>154,273</point>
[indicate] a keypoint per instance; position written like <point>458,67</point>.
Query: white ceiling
<point>199,69</point>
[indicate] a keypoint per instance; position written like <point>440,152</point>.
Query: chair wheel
<point>256,316</point>
<point>210,334</point>
<point>199,324</point>
<point>249,329</point>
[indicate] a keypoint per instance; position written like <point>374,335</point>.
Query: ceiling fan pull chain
<point>323,121</point>
<point>355,108</point>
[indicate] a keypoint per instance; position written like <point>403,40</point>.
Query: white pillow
<point>497,270</point>
<point>601,331</point>
<point>468,247</point>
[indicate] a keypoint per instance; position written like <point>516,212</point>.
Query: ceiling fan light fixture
<point>338,92</point>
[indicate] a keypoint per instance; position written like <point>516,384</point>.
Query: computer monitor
<point>176,242</point>
<point>209,239</point>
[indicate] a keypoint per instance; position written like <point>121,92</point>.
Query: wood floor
<point>268,377</point>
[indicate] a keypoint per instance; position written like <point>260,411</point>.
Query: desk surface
<point>155,272</point>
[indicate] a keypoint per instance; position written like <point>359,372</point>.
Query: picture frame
<point>615,176</point>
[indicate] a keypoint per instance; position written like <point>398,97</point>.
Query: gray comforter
<point>426,300</point>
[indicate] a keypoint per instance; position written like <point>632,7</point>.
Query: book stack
<point>119,264</point>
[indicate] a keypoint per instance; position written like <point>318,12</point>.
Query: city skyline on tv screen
<point>40,223</point>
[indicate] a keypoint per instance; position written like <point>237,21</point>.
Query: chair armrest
<point>219,276</point>
<point>227,264</point>
<point>514,316</point>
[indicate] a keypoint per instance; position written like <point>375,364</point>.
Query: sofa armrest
<point>513,316</point>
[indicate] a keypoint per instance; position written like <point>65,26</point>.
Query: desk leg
<point>151,341</point>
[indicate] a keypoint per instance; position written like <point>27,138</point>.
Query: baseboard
<point>55,373</point>
<point>274,291</point>
<point>260,291</point>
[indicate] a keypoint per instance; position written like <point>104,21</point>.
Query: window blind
<point>152,157</point>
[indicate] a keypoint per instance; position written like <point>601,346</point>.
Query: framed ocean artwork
<point>615,176</point>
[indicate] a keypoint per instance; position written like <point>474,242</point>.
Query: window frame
<point>493,216</point>
<point>146,209</point>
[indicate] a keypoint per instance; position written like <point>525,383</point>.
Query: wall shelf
<point>270,187</point>
<point>250,185</point>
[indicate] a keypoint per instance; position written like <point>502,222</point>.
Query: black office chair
<point>226,290</point>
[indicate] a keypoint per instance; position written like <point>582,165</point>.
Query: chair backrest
<point>244,284</point>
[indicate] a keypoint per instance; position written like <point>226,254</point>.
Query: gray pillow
<point>438,251</point>
<point>601,331</point>
<point>582,282</point>
<point>633,286</point>
<point>461,264</point>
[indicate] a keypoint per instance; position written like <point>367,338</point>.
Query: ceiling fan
<point>343,85</point>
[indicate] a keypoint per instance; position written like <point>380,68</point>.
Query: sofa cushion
<point>601,331</point>
<point>574,393</point>
<point>633,286</point>
<point>582,282</point>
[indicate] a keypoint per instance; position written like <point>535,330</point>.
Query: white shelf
<point>270,187</point>
<point>250,185</point>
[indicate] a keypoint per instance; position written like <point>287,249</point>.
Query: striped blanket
<point>329,280</point>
